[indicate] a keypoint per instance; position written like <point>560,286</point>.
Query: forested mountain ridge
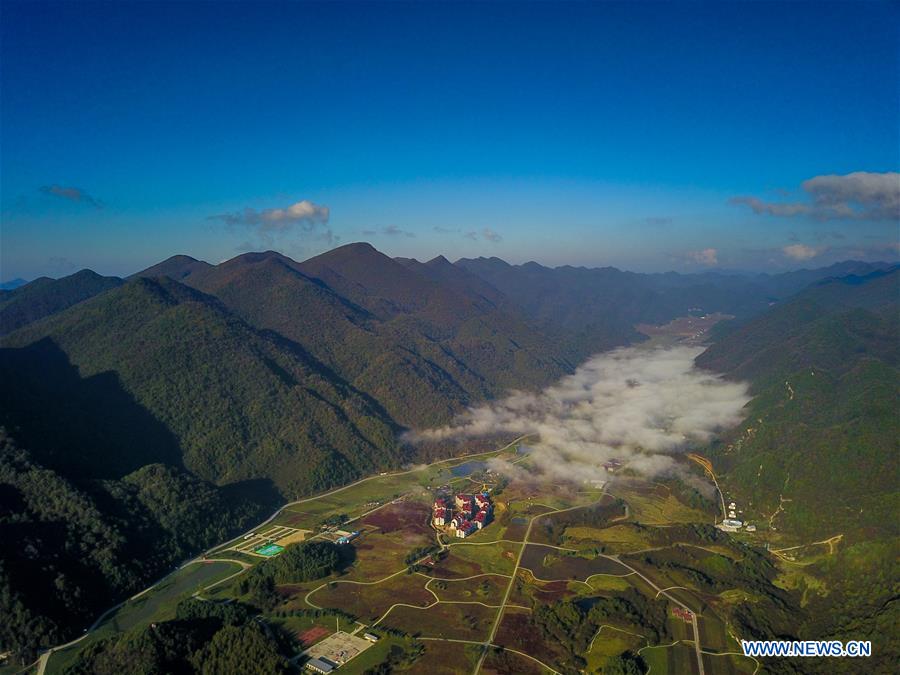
<point>236,404</point>
<point>593,309</point>
<point>43,297</point>
<point>824,368</point>
<point>177,267</point>
<point>423,350</point>
<point>816,458</point>
<point>262,378</point>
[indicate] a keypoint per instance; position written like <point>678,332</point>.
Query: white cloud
<point>302,217</point>
<point>800,251</point>
<point>635,404</point>
<point>304,212</point>
<point>871,196</point>
<point>706,256</point>
<point>861,195</point>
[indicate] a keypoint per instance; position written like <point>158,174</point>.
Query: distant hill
<point>12,284</point>
<point>593,309</point>
<point>44,296</point>
<point>823,430</point>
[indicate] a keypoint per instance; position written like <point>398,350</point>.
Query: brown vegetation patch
<point>312,635</point>
<point>453,621</point>
<point>564,566</point>
<point>409,516</point>
<point>453,567</point>
<point>526,591</point>
<point>516,631</point>
<point>369,602</point>
<point>501,662</point>
<point>443,658</point>
<point>487,589</point>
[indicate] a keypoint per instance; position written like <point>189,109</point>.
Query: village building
<point>470,513</point>
<point>465,528</point>
<point>465,503</point>
<point>321,666</point>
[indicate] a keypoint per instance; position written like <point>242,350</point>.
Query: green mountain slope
<point>238,405</point>
<point>422,347</point>
<point>822,430</point>
<point>43,297</point>
<point>816,460</point>
<point>70,549</point>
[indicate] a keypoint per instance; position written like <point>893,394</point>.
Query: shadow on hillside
<point>261,491</point>
<point>86,427</point>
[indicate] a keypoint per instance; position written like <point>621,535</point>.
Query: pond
<point>468,468</point>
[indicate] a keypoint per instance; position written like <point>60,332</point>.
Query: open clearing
<point>338,648</point>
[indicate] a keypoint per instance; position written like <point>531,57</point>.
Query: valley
<point>356,390</point>
<point>492,602</point>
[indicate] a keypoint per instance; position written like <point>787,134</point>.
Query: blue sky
<point>584,133</point>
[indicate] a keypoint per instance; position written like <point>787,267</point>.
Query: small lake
<point>468,468</point>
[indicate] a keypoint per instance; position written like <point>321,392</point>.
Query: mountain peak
<point>259,256</point>
<point>439,261</point>
<point>175,267</point>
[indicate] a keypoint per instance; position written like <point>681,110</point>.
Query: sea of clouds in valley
<point>635,404</point>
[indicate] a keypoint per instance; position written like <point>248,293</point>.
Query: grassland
<point>157,604</point>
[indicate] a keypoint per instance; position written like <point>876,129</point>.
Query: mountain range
<point>166,410</point>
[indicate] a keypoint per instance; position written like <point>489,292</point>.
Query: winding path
<point>43,659</point>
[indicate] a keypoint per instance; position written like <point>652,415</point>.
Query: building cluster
<point>612,465</point>
<point>733,523</point>
<point>466,514</point>
<point>685,614</point>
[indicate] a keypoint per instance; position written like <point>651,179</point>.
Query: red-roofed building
<point>441,516</point>
<point>465,528</point>
<point>465,503</point>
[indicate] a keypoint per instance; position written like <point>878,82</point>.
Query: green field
<point>157,604</point>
